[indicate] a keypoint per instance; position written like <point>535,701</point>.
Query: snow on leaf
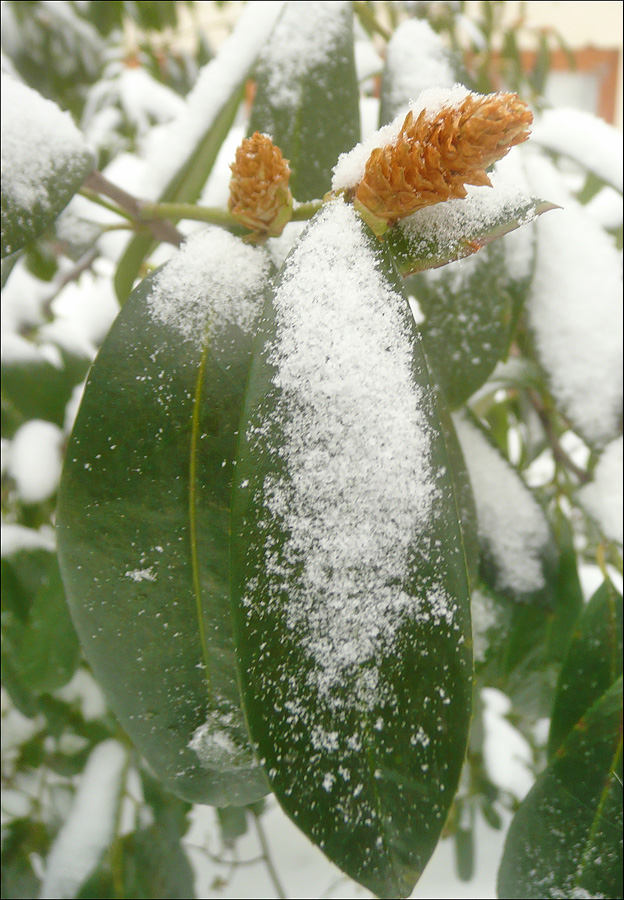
<point>589,140</point>
<point>44,161</point>
<point>89,828</point>
<point>602,497</point>
<point>416,59</point>
<point>575,310</point>
<point>213,280</point>
<point>512,526</point>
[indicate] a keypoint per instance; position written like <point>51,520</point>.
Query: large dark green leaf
<point>307,92</point>
<point>143,515</point>
<point>44,162</point>
<point>348,569</point>
<point>566,838</point>
<point>593,662</point>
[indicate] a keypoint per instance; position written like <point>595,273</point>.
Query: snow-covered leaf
<point>575,311</point>
<point>602,497</point>
<point>307,92</point>
<point>587,139</point>
<point>566,838</point>
<point>349,576</point>
<point>592,664</point>
<point>143,519</point>
<point>439,234</point>
<point>416,59</point>
<point>518,556</point>
<point>89,829</point>
<point>44,162</point>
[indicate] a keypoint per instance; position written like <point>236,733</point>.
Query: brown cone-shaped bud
<point>260,198</point>
<point>433,158</point>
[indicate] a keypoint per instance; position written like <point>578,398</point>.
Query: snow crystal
<point>593,142</point>
<point>141,574</point>
<point>575,310</point>
<point>36,459</point>
<point>89,828</point>
<point>354,498</point>
<point>416,59</point>
<point>350,168</point>
<point>214,279</point>
<point>37,137</point>
<point>602,497</point>
<point>512,524</point>
<point>295,47</point>
<point>173,143</point>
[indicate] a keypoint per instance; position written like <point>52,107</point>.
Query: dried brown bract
<point>260,198</point>
<point>433,157</point>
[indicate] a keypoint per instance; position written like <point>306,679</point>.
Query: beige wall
<point>581,24</point>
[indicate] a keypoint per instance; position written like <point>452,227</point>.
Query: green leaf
<point>593,662</point>
<point>565,840</point>
<point>213,102</point>
<point>307,95</point>
<point>48,653</point>
<point>44,162</point>
<point>350,592</point>
<point>470,308</point>
<point>143,518</point>
<point>444,232</point>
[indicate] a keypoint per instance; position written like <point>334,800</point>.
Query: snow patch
<point>512,524</point>
<point>214,280</point>
<point>602,497</point>
<point>89,829</point>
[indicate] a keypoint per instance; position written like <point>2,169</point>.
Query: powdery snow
<point>449,225</point>
<point>511,522</point>
<point>416,59</point>
<point>507,755</point>
<point>602,497</point>
<point>591,141</point>
<point>575,310</point>
<point>38,139</point>
<point>214,279</point>
<point>354,499</point>
<point>89,828</point>
<point>350,168</point>
<point>172,145</point>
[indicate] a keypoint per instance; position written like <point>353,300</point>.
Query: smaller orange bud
<point>260,198</point>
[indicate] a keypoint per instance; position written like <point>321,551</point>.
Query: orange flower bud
<point>433,157</point>
<point>260,198</point>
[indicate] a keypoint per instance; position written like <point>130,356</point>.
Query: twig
<point>558,452</point>
<point>139,210</point>
<point>266,854</point>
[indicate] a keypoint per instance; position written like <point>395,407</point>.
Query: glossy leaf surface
<point>565,840</point>
<point>350,591</point>
<point>592,664</point>
<point>143,516</point>
<point>307,92</point>
<point>44,162</point>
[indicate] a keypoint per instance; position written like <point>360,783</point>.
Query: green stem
<point>209,214</point>
<point>369,21</point>
<point>266,855</point>
<point>303,211</point>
